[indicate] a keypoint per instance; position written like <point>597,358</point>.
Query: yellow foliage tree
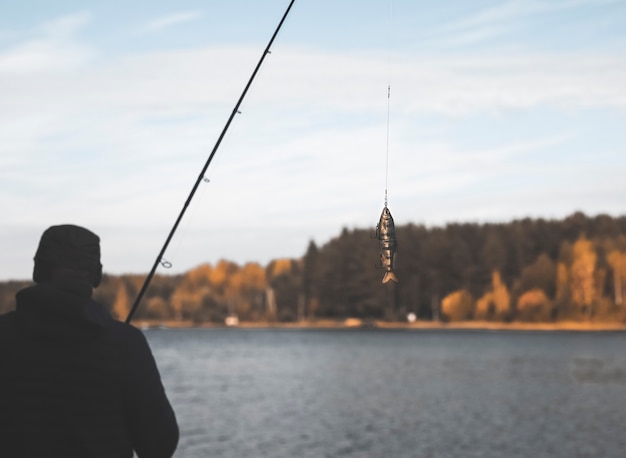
<point>457,306</point>
<point>219,276</point>
<point>235,284</point>
<point>197,284</point>
<point>501,296</point>
<point>253,275</point>
<point>242,286</point>
<point>534,305</point>
<point>495,303</point>
<point>617,261</point>
<point>199,275</point>
<point>279,267</point>
<point>482,306</point>
<point>562,283</point>
<point>582,274</point>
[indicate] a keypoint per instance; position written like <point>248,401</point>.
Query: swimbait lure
<point>387,243</point>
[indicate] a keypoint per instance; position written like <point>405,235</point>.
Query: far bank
<point>355,323</point>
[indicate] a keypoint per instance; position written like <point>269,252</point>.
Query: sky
<point>464,111</point>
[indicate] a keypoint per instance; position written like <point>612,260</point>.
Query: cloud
<point>170,20</point>
<point>51,48</point>
<point>504,18</point>
<point>121,142</point>
<point>67,26</point>
<point>466,84</point>
<point>167,109</point>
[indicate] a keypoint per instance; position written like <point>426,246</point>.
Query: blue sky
<point>109,109</point>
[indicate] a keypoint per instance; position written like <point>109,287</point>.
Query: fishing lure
<point>387,243</point>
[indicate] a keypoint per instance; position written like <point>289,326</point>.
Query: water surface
<point>395,393</point>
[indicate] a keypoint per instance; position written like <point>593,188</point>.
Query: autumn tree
<point>246,290</point>
<point>541,274</point>
<point>582,275</point>
<point>220,275</point>
<point>534,305</point>
<point>617,261</point>
<point>339,279</point>
<point>495,303</point>
<point>457,306</point>
<point>189,298</point>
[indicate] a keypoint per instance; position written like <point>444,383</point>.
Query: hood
<point>60,311</point>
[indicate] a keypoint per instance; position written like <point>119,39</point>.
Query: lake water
<point>395,393</point>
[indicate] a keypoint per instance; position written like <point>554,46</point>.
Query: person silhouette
<point>74,382</point>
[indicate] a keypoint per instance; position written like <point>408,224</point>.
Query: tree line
<point>536,270</point>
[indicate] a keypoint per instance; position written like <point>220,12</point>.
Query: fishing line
<point>389,28</point>
<point>385,230</point>
<point>202,175</point>
<point>387,155</point>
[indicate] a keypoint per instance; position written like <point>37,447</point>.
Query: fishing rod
<point>201,176</point>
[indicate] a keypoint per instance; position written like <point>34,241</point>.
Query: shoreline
<point>355,323</point>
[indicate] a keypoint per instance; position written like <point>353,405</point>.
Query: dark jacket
<point>76,383</point>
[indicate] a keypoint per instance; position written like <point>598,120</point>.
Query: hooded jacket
<point>74,382</point>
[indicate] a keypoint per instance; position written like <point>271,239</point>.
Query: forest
<point>526,270</point>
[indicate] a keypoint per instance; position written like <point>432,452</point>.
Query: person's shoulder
<point>103,318</point>
<point>126,331</point>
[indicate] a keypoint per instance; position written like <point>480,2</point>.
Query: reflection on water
<point>391,393</point>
